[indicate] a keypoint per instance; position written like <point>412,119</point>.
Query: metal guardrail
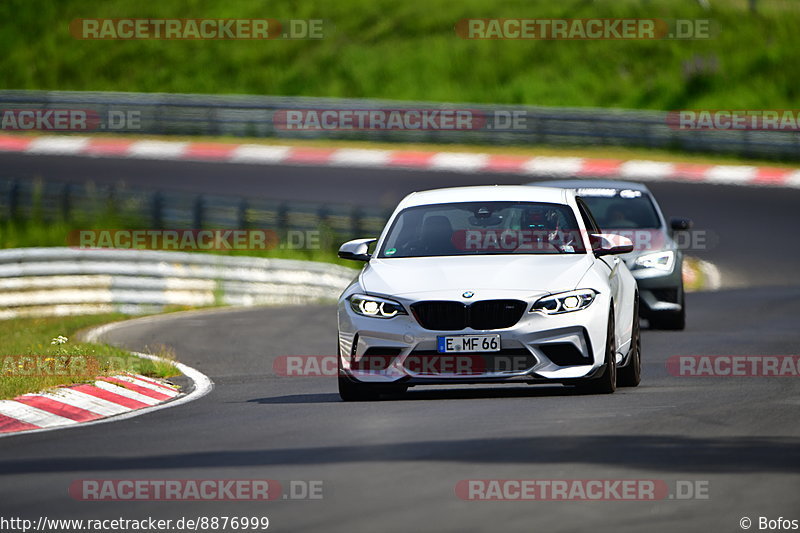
<point>254,116</point>
<point>61,281</point>
<point>22,199</point>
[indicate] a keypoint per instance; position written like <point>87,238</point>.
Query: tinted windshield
<point>624,209</point>
<point>483,228</point>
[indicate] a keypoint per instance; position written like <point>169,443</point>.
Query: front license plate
<point>469,343</point>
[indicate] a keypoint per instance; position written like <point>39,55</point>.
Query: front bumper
<point>559,348</point>
<point>659,292</point>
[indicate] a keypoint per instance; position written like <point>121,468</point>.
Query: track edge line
<point>201,386</point>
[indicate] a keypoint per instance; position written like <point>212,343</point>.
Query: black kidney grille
<point>447,316</point>
<point>455,316</point>
<point>495,314</point>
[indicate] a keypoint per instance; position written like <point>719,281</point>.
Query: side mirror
<point>610,244</point>
<point>357,250</point>
<point>680,224</point>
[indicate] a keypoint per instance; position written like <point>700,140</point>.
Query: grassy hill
<point>409,50</point>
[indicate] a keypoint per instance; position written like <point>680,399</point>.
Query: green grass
<point>696,281</point>
<point>41,232</point>
<point>409,50</point>
<point>53,365</point>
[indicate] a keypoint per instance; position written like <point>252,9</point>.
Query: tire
<point>607,383</point>
<point>631,374</point>
<point>352,391</point>
<point>349,391</point>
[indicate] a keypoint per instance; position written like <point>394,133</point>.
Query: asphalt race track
<point>749,231</point>
<point>394,465</point>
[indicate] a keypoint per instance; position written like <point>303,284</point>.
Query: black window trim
<point>586,215</point>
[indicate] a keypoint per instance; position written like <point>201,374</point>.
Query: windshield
<point>483,228</point>
<point>621,209</point>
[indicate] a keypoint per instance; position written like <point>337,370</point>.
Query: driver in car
<point>546,225</point>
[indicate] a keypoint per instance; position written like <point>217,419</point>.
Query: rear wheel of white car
<point>631,374</point>
<point>607,383</point>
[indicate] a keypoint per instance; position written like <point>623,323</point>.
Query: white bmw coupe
<point>489,284</point>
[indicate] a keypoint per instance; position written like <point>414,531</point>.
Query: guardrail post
<point>213,121</point>
<point>13,200</point>
<point>242,214</point>
<point>355,221</point>
<point>159,128</point>
<point>283,219</point>
<point>747,142</point>
<point>326,232</point>
<point>322,213</point>
<point>158,210</point>
<point>66,202</point>
<point>197,212</point>
<point>111,201</point>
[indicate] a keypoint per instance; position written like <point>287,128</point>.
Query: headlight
<point>564,302</point>
<point>375,307</point>
<point>659,260</point>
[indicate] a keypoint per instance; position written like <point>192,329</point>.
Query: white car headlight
<point>564,302</point>
<point>375,307</point>
<point>659,260</point>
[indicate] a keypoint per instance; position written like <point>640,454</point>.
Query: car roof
<point>488,193</point>
<point>592,183</point>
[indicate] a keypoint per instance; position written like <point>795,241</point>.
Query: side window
<point>588,219</point>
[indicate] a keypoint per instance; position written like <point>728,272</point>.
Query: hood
<point>530,273</point>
